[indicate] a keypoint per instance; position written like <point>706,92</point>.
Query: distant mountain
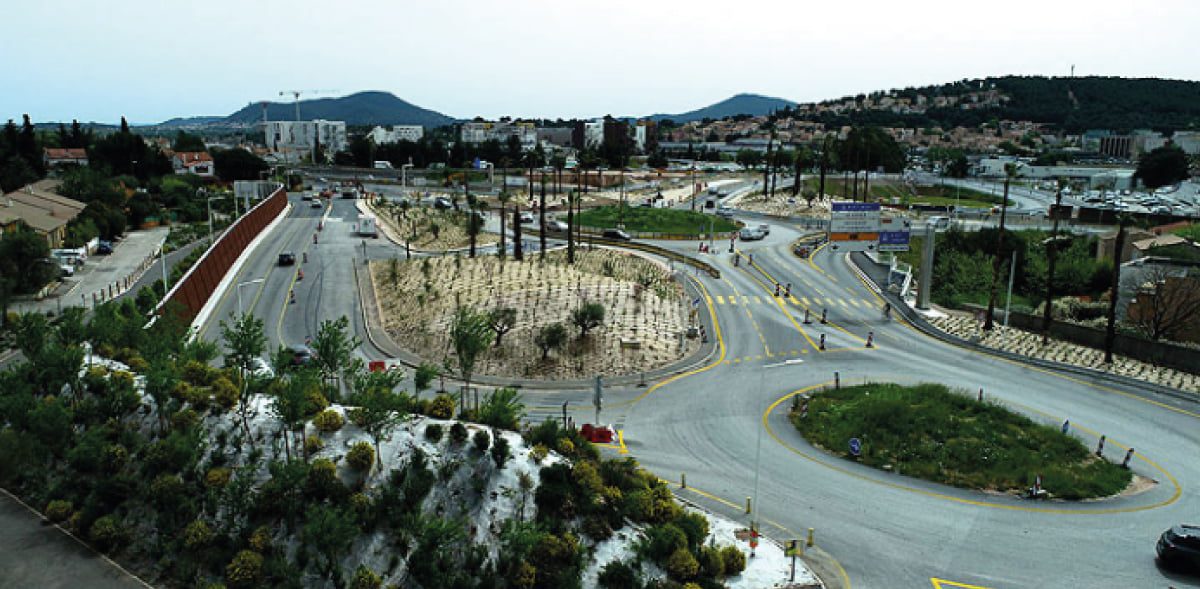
<point>363,108</point>
<point>181,122</point>
<point>740,104</point>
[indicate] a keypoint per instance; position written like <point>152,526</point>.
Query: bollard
<point>776,289</point>
<point>1066,426</point>
<point>1128,455</point>
<point>824,316</point>
<point>747,506</point>
<point>1100,447</point>
<point>822,342</point>
<point>683,480</point>
<point>751,259</point>
<point>809,543</point>
<point>788,291</point>
<point>807,320</point>
<point>980,394</point>
<point>837,381</point>
<point>870,339</point>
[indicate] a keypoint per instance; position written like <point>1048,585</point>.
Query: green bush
<point>313,444</point>
<point>711,562</point>
<point>245,570</point>
<point>361,457</point>
<point>323,479</point>
<point>734,560</point>
<point>442,407</point>
<point>328,421</point>
<point>500,450</point>
<point>59,510</point>
<point>105,532</point>
<point>197,535</point>
<point>482,441</point>
<point>682,566</point>
<point>365,578</point>
<point>661,541</point>
<point>618,575</point>
<point>217,477</point>
<point>184,419</point>
<point>433,432</point>
<point>695,526</point>
<point>458,433</point>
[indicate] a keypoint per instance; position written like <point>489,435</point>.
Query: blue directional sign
<point>848,207</point>
<point>855,446</point>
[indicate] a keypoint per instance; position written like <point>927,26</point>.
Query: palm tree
<point>1110,332</point>
<point>571,227</point>
<point>503,198</point>
<point>542,219</point>
<point>1010,171</point>
<point>1051,257</point>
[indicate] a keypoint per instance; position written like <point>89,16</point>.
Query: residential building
<point>1108,244</point>
<point>557,136</point>
<point>1161,294</point>
<point>396,134</point>
<point>43,210</point>
<point>588,134</point>
<point>300,137</point>
<point>199,163</point>
<point>480,131</point>
<point>54,157</point>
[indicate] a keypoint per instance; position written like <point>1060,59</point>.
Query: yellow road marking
<point>793,300</point>
<point>757,300</point>
<point>733,299</point>
<point>804,301</point>
<point>943,583</point>
<point>853,303</point>
<point>810,310</point>
<point>720,300</point>
<point>936,495</point>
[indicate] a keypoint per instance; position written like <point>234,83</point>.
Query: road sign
<point>855,446</point>
<point>893,235</point>
<point>793,548</point>
<point>854,226</point>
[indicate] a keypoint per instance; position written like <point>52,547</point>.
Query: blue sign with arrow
<point>855,446</point>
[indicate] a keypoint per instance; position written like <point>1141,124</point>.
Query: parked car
<point>1180,546</point>
<point>262,369</point>
<point>939,222</point>
<point>617,234</point>
<point>766,229</point>
<point>749,234</point>
<point>442,203</point>
<point>556,226</point>
<point>104,248</point>
<point>526,217</point>
<point>66,270</point>
<point>725,213</point>
<point>301,355</point>
<point>287,259</point>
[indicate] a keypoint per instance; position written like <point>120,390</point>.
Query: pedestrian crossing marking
<point>793,300</point>
<point>853,302</point>
<point>804,301</point>
<point>720,300</point>
<point>756,299</point>
<point>733,299</point>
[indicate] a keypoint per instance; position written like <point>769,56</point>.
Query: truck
<point>367,226</point>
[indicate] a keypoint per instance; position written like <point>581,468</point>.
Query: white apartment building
<point>396,134</point>
<point>478,132</point>
<point>300,136</point>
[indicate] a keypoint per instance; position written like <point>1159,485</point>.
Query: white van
<point>938,222</point>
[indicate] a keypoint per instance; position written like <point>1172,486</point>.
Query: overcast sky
<point>152,60</point>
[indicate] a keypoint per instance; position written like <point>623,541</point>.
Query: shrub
<point>596,528</point>
<point>361,457</point>
<point>695,526</point>
<point>323,478</point>
<point>105,532</point>
<point>442,407</point>
<point>313,444</point>
<point>433,432</point>
<point>500,451</point>
<point>245,570</point>
<point>618,575</point>
<point>482,441</point>
<point>314,401</point>
<point>711,562</point>
<point>734,560</point>
<point>682,566</point>
<point>539,452</point>
<point>198,373</point>
<point>59,510</point>
<point>566,447</point>
<point>225,393</point>
<point>357,416</point>
<point>217,477</point>
<point>260,540</point>
<point>328,421</point>
<point>184,419</point>
<point>365,578</point>
<point>662,541</point>
<point>197,534</point>
<point>458,433</point>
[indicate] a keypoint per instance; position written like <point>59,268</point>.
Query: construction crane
<point>296,96</point>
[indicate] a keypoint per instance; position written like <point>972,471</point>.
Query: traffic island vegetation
<point>429,228</point>
<point>652,220</point>
<point>609,313</point>
<point>931,432</point>
<point>895,192</point>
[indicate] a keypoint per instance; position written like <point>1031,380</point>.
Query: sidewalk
<point>102,277</point>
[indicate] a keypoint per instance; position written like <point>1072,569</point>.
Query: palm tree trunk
<point>1110,332</point>
<point>1051,258</point>
<point>570,229</point>
<point>518,255</point>
<point>542,220</point>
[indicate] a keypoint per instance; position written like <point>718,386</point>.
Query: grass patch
<point>889,190</point>
<point>929,432</point>
<point>1191,232</point>
<point>648,220</point>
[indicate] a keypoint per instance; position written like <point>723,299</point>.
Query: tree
<point>474,226</point>
<point>518,255</point>
<point>379,409</point>
<point>237,164</point>
<point>333,348</point>
<point>572,200</point>
<point>470,333</point>
<point>330,531</point>
<point>424,376</point>
<point>587,317</point>
<point>1164,304</point>
<point>502,320</point>
<point>504,197</point>
<point>1162,166</point>
<point>25,260</point>
<point>245,341</point>
<point>185,141</point>
<point>1051,258</point>
<point>1110,331</point>
<point>550,337</point>
<point>542,221</point>
<point>502,409</point>
<point>1010,170</point>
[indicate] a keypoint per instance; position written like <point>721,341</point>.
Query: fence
<point>120,287</point>
<point>198,284</point>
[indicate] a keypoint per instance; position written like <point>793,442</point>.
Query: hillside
<point>1070,104</point>
<point>740,104</point>
<point>362,108</point>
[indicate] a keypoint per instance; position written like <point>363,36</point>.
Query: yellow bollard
<point>683,480</point>
<point>810,536</point>
<point>747,506</point>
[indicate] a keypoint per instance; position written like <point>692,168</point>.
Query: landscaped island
<point>930,432</point>
<point>651,220</point>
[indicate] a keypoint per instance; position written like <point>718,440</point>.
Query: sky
<point>153,60</point>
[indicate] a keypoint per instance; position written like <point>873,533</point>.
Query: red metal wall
<point>193,290</point>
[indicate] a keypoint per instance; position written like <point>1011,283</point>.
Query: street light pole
<point>239,292</point>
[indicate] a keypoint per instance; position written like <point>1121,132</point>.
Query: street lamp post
<point>404,175</point>
<point>239,292</point>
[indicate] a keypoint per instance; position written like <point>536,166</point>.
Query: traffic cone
<point>300,275</point>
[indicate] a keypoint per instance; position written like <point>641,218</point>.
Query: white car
<point>556,226</point>
<point>526,217</point>
<point>262,369</point>
<point>765,229</point>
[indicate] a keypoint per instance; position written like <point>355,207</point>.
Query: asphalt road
<point>884,529</point>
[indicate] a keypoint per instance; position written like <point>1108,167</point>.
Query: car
<point>306,196</point>
<point>556,226</point>
<point>766,229</point>
<point>104,248</point>
<point>442,203</point>
<point>287,259</point>
<point>617,234</point>
<point>1180,546</point>
<point>749,234</point>
<point>801,250</point>
<point>526,217</point>
<point>938,222</point>
<point>301,355</point>
<point>261,368</point>
<point>66,270</point>
<point>316,204</point>
<point>725,213</point>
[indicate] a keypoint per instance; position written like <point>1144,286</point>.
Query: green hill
<point>362,108</point>
<point>740,104</point>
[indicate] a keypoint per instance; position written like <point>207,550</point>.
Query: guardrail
<point>666,253</point>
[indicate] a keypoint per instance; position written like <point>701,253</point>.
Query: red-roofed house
<point>199,163</point>
<point>55,157</point>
